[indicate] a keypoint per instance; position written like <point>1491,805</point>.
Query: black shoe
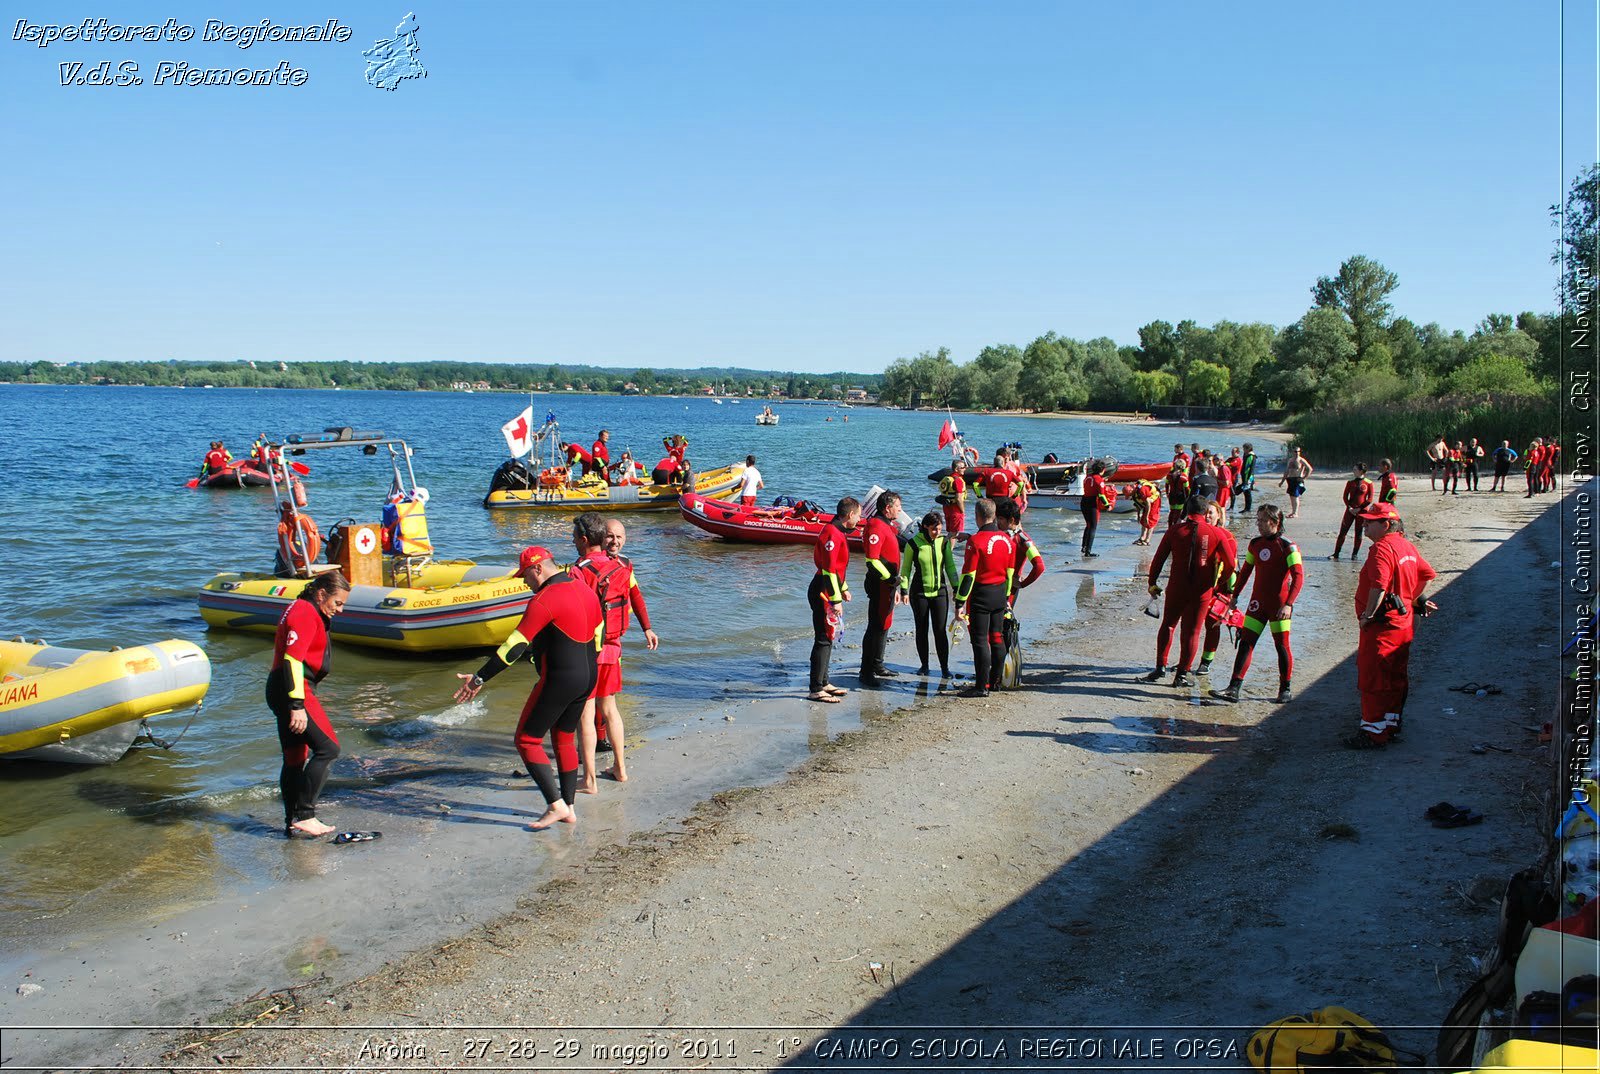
<point>923,670</point>
<point>1230,694</point>
<point>972,691</point>
<point>1182,678</point>
<point>868,681</point>
<point>603,746</point>
<point>884,673</point>
<point>1285,695</point>
<point>1155,676</point>
<point>1091,555</point>
<point>1334,556</point>
<point>946,673</point>
<point>1204,668</point>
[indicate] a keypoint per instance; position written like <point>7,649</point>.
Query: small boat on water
<point>800,524</point>
<point>766,417</point>
<point>518,485</point>
<point>401,597</point>
<point>242,474</point>
<point>86,706</point>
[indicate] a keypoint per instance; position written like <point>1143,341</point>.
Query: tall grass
<point>1403,431</point>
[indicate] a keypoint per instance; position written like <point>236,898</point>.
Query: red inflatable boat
<point>761,525</point>
<point>242,474</point>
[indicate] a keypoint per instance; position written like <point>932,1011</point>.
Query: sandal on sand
<point>823,696</point>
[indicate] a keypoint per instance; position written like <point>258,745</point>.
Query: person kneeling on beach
<point>562,629</point>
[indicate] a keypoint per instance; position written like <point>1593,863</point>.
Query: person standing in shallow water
<point>826,594</point>
<point>302,653</point>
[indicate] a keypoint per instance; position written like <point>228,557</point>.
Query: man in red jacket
<point>1389,595</point>
<point>827,593</point>
<point>880,541</point>
<point>1199,566</point>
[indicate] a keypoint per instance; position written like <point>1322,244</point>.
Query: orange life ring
<point>973,452</point>
<point>300,551</point>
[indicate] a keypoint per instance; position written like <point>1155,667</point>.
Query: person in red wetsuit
<point>1224,496</point>
<point>562,629</point>
<point>827,593</point>
<point>998,482</point>
<point>216,460</point>
<point>611,728</point>
<point>880,543</point>
<point>1230,552</point>
<point>1199,565</point>
<point>1452,471</point>
<point>984,595</point>
<point>1180,455</point>
<point>611,581</point>
<point>1547,466</point>
<point>1009,517</point>
<point>1275,563</point>
<point>578,460</point>
<point>1147,502</point>
<point>1533,465</point>
<point>1357,495</point>
<point>600,454</point>
<point>1389,595</point>
<point>1098,495</point>
<point>1388,484</point>
<point>302,653</point>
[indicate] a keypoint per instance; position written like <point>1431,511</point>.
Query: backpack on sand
<point>1328,1039</point>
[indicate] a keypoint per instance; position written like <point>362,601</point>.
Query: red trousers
<point>1186,612</point>
<point>1383,658</point>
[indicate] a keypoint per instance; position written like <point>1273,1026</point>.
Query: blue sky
<point>812,186</point>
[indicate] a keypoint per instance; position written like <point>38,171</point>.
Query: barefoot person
<point>301,652</point>
<point>1274,562</point>
<point>562,627</point>
<point>609,580</point>
<point>827,593</point>
<point>1295,472</point>
<point>607,688</point>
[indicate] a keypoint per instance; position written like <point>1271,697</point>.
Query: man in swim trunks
<point>987,574</point>
<point>1295,472</point>
<point>607,686</point>
<point>1504,456</point>
<point>612,581</point>
<point>1357,494</point>
<point>562,629</point>
<point>750,482</point>
<point>1437,452</point>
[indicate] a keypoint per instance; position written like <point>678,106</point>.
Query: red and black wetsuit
<point>302,653</point>
<point>562,631</point>
<point>880,542</point>
<point>216,461</point>
<point>1177,495</point>
<point>997,485</point>
<point>1027,556</point>
<point>1197,549</point>
<point>1452,472</point>
<point>1357,497</point>
<point>1547,466</point>
<point>1279,575</point>
<point>1535,469</point>
<point>826,595</point>
<point>1383,654</point>
<point>1213,631</point>
<point>1389,488</point>
<point>1469,465</point>
<point>987,574</point>
<point>1097,494</point>
<point>599,458</point>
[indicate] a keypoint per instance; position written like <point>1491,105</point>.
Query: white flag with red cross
<point>519,433</point>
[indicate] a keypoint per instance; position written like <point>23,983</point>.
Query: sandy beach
<point>1088,851</point>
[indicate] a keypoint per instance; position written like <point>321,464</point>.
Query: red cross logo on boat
<point>365,541</point>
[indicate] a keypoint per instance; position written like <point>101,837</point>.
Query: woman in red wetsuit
<point>1275,563</point>
<point>302,653</point>
<point>563,629</point>
<point>1230,553</point>
<point>1199,566</point>
<point>1357,495</point>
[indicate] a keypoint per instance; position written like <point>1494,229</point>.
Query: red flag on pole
<point>947,433</point>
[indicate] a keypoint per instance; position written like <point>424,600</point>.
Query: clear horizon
<point>632,185</point>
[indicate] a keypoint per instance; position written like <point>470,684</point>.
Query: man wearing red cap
<point>1389,595</point>
<point>562,628</point>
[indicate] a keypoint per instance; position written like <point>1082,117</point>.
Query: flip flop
<point>1461,818</point>
<point>1442,809</point>
<point>357,837</point>
<point>826,699</point>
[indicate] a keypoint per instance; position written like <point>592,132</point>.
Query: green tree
<point>1153,388</point>
<point>1494,375</point>
<point>1578,252</point>
<point>1158,347</point>
<point>1315,359</point>
<point>1361,291</point>
<point>1207,383</point>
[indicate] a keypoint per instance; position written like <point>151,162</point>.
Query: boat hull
<point>764,525</point>
<point>720,484</point>
<point>237,476</point>
<point>449,605</point>
<point>82,706</point>
<point>1057,474</point>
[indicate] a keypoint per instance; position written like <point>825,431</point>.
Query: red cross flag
<point>519,433</point>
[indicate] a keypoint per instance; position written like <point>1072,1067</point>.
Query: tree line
<point>1349,350</point>
<point>441,376</point>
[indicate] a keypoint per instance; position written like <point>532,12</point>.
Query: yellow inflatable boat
<point>446,604</point>
<point>594,494</point>
<point>83,706</point>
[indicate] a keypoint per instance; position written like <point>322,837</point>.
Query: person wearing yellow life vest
<point>953,497</point>
<point>928,574</point>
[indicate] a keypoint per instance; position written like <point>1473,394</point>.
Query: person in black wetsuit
<point>928,573</point>
<point>302,653</point>
<point>562,631</point>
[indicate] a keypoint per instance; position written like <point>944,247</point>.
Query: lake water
<point>107,548</point>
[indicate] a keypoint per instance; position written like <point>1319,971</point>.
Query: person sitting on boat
<point>217,459</point>
<point>625,471</point>
<point>298,543</point>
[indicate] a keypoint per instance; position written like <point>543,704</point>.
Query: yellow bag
<point>1328,1039</point>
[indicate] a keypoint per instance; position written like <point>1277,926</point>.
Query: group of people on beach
<point>1452,466</point>
<point>572,631</point>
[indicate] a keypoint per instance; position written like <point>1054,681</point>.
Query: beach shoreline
<point>1065,855</point>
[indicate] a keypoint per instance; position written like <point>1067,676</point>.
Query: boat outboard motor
<point>513,474</point>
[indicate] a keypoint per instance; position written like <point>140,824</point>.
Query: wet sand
<point>1089,851</point>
